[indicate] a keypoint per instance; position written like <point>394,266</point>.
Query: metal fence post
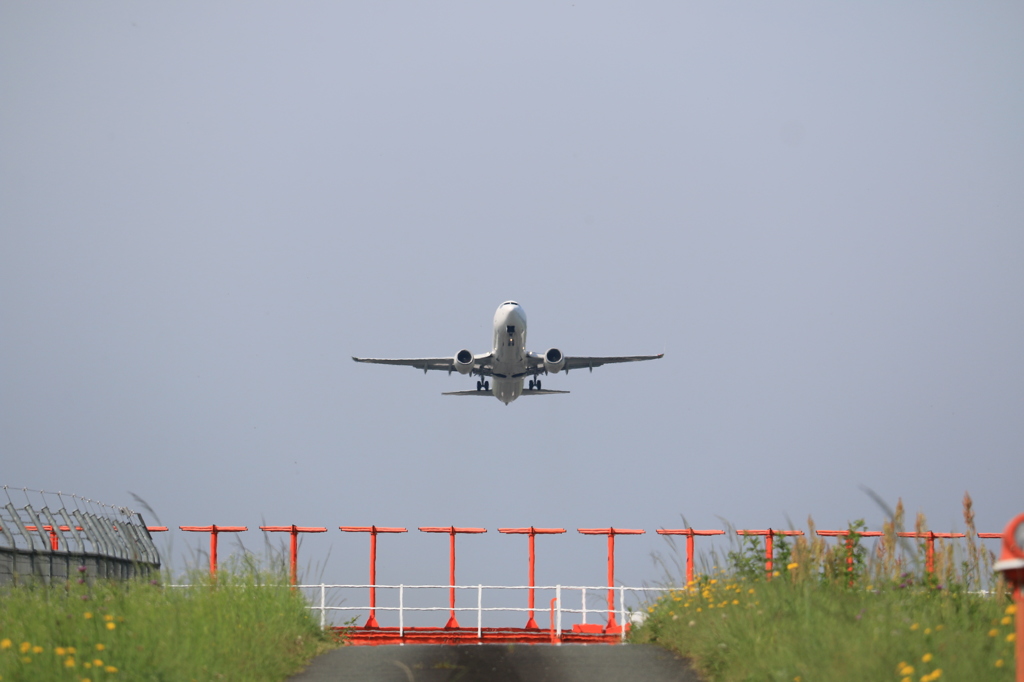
<point>479,613</point>
<point>401,611</point>
<point>323,606</point>
<point>558,606</point>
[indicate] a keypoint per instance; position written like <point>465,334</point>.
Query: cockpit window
<point>510,303</point>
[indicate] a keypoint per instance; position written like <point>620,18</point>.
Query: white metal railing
<point>622,613</point>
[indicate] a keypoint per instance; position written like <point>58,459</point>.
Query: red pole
<point>689,533</point>
<point>453,623</point>
<point>371,622</point>
<point>613,626</point>
<point>214,531</point>
<point>769,544</point>
<point>929,538</point>
<point>294,532</point>
<point>1018,600</point>
<point>849,544</point>
<point>531,624</point>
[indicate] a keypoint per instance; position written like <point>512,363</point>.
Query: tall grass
<point>814,618</point>
<point>245,625</point>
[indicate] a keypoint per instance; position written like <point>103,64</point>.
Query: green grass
<point>785,630</point>
<point>247,626</point>
<point>832,613</point>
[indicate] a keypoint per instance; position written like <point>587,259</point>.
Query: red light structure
<point>371,622</point>
<point>531,624</point>
<point>55,541</point>
<point>929,538</point>
<point>452,531</point>
<point>214,531</point>
<point>689,533</point>
<point>294,531</point>
<point>613,626</point>
<point>1011,565</point>
<point>849,544</point>
<point>769,544</point>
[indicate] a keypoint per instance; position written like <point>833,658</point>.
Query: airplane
<point>508,363</point>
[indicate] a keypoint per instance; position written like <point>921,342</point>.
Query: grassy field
<point>816,619</point>
<point>247,626</point>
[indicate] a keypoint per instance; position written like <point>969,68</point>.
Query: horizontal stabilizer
<point>489,394</point>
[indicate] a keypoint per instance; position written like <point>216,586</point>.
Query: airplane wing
<point>581,362</point>
<point>481,363</point>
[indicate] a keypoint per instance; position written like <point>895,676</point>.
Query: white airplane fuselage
<point>509,364</point>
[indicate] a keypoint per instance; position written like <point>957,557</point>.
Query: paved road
<point>498,663</point>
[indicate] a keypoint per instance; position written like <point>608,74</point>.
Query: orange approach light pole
<point>371,622</point>
<point>613,627</point>
<point>214,531</point>
<point>531,624</point>
<point>849,544</point>
<point>294,531</point>
<point>769,543</point>
<point>929,537</point>
<point>1011,565</point>
<point>689,533</point>
<point>453,623</point>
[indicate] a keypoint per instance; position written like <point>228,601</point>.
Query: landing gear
<point>483,385</point>
<point>534,384</point>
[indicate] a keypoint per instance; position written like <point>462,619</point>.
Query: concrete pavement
<point>498,663</point>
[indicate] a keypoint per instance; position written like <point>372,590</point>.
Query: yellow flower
<point>792,566</point>
<point>108,618</point>
<point>999,663</point>
<point>927,631</point>
<point>735,601</point>
<point>699,609</point>
<point>111,626</point>
<point>926,658</point>
<point>775,574</point>
<point>1011,637</point>
<point>939,627</point>
<point>24,647</point>
<point>71,650</point>
<point>1011,609</point>
<point>915,626</point>
<point>37,649</point>
<point>100,646</point>
<point>69,662</point>
<point>110,669</point>
<point>993,632</point>
<point>97,662</point>
<point>87,615</point>
<point>937,673</point>
<point>5,643</point>
<point>1006,620</point>
<point>907,670</point>
<point>87,664</point>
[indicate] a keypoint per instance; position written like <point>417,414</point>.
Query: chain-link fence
<point>53,536</point>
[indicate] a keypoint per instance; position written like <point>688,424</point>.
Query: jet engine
<point>554,361</point>
<point>464,361</point>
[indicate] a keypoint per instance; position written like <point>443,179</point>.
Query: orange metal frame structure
<point>371,633</point>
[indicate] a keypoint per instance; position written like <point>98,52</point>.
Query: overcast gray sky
<point>814,209</point>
